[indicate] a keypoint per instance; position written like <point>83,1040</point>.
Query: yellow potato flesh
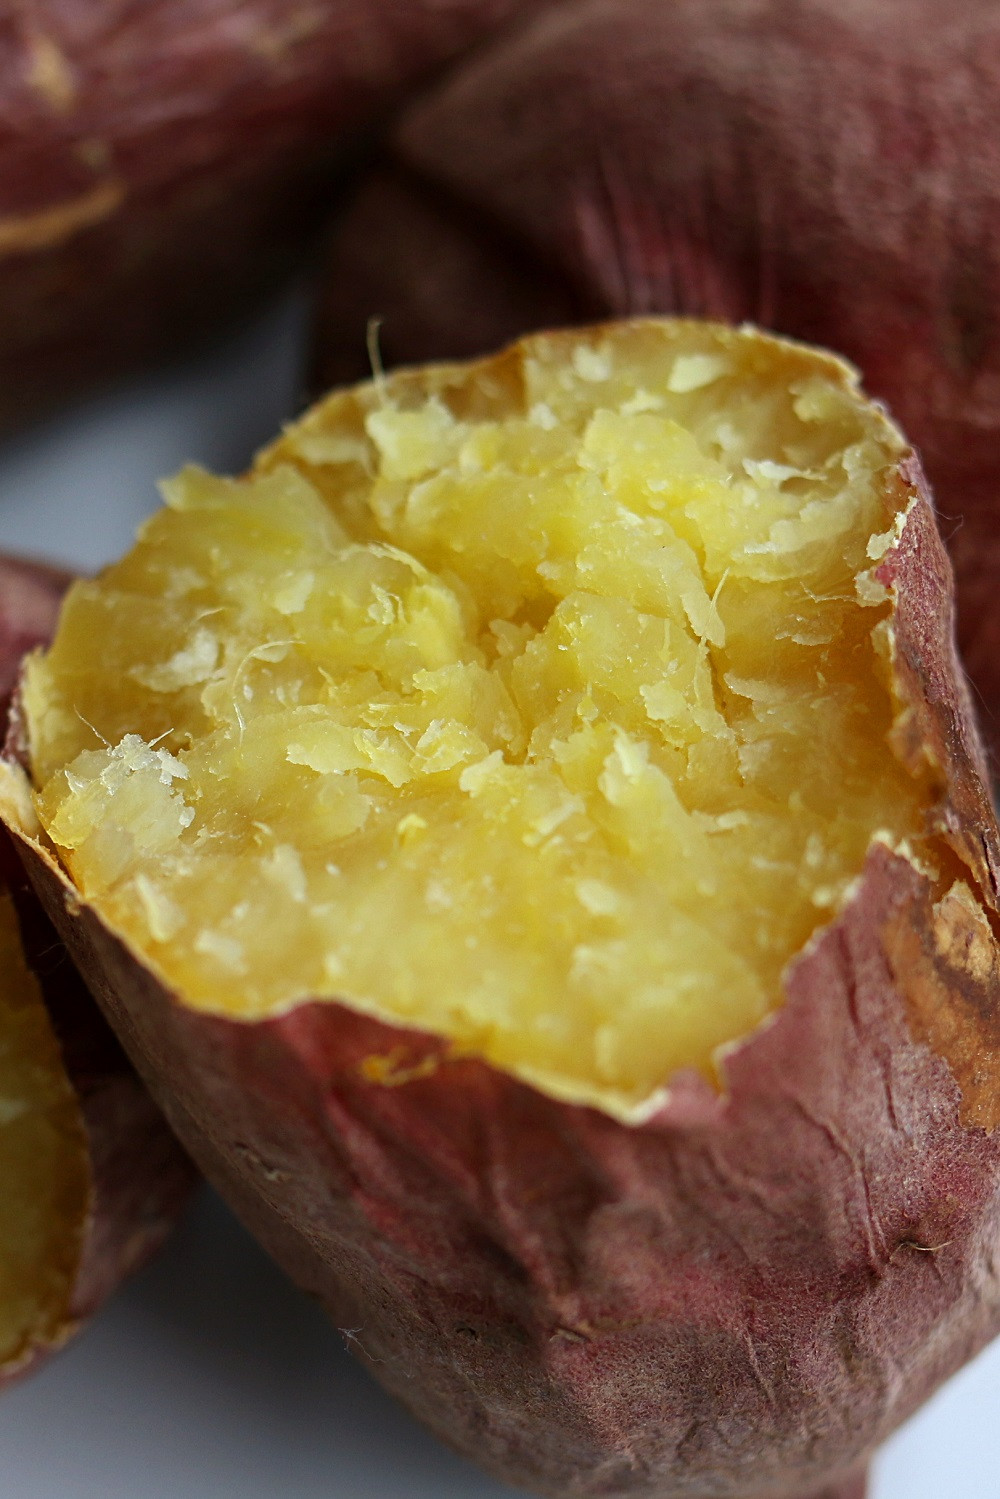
<point>543,704</point>
<point>44,1175</point>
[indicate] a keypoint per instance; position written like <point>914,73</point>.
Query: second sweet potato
<point>91,1180</point>
<point>164,162</point>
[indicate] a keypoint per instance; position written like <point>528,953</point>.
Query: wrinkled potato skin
<point>140,1179</point>
<point>741,1296</point>
<point>828,169</point>
<point>163,162</point>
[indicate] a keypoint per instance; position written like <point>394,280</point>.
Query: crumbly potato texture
<point>545,705</point>
<point>714,158</point>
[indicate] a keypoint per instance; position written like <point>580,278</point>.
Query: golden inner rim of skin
<point>44,1171</point>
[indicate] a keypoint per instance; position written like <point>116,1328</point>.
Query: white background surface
<point>210,1377</point>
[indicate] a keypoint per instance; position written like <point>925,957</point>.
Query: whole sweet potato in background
<point>826,168</point>
<point>116,1180</point>
<point>163,162</point>
<point>743,1293</point>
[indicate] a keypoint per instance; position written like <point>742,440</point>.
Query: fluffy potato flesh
<point>44,1166</point>
<point>543,703</point>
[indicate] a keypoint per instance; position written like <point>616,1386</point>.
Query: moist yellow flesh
<point>541,703</point>
<point>44,1178</point>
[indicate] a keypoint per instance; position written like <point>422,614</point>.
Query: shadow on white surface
<point>211,1377</point>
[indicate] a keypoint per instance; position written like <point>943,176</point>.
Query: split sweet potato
<point>531,834</point>
<point>829,170</point>
<point>162,164</point>
<point>91,1179</point>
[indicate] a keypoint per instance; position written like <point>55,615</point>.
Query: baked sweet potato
<point>90,1178</point>
<point>163,162</point>
<point>829,169</point>
<point>531,835</point>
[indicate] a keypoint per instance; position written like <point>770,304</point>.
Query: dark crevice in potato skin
<point>461,250</point>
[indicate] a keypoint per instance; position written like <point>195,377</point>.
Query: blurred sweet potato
<point>829,170</point>
<point>163,162</point>
<point>532,836</point>
<point>91,1179</point>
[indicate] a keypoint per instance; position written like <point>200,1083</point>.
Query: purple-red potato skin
<point>829,169</point>
<point>140,1179</point>
<point>30,595</point>
<point>742,1295</point>
<point>164,162</point>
